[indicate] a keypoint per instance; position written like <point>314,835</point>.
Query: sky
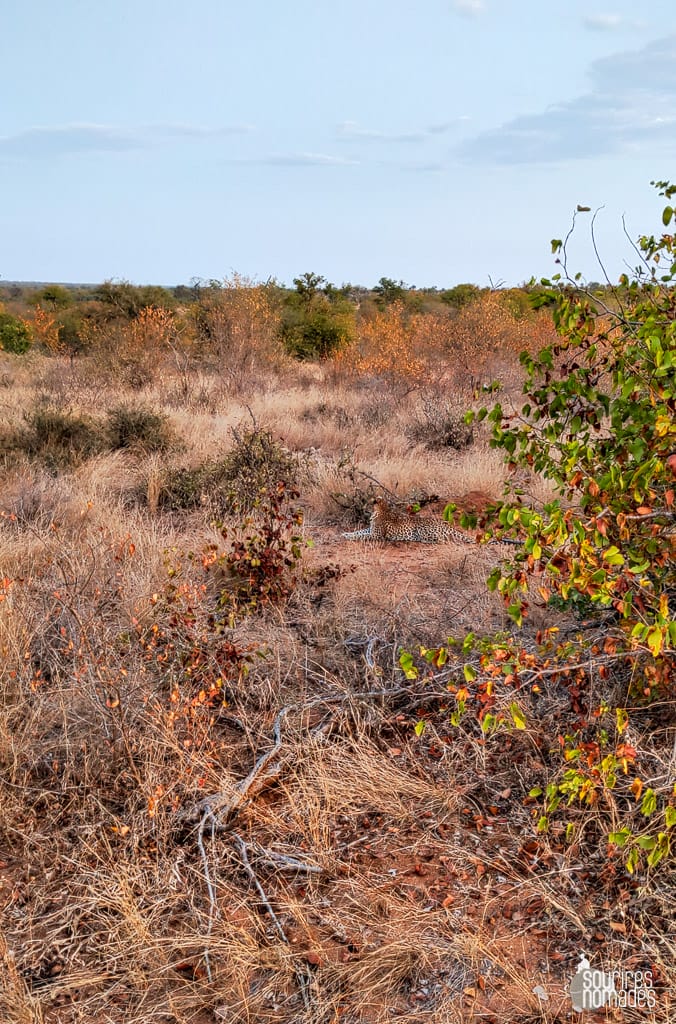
<point>434,142</point>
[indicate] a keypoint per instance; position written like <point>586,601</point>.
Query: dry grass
<point>390,875</point>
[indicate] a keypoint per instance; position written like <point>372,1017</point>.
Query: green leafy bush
<point>257,462</point>
<point>15,335</point>
<point>316,323</point>
<point>598,422</point>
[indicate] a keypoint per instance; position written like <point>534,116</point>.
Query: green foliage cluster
<point>61,437</point>
<point>256,463</point>
<point>460,295</point>
<point>52,297</point>
<point>316,322</point>
<point>15,335</point>
<point>599,422</point>
<point>121,299</point>
<point>58,436</point>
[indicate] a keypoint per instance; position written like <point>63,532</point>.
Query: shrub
<point>256,463</point>
<point>597,422</point>
<point>318,332</point>
<point>185,488</point>
<point>59,436</point>
<point>261,566</point>
<point>461,295</point>
<point>134,426</point>
<point>52,296</point>
<point>15,335</point>
<point>71,334</point>
<point>236,322</point>
<point>439,426</point>
<point>315,323</point>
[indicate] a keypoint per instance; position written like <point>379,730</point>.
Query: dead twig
<point>213,908</point>
<point>303,982</point>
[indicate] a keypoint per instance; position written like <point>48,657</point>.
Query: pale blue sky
<point>437,142</point>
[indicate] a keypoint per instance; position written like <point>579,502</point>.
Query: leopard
<point>389,524</point>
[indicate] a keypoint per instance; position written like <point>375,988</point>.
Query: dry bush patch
<point>391,874</point>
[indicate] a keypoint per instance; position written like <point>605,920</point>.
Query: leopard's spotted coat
<point>388,524</point>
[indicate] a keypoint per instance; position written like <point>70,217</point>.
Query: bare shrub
<point>235,322</point>
<point>439,425</point>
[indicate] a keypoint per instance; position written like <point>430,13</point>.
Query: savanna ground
<point>217,802</point>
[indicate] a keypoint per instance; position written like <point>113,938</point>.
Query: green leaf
<point>649,803</point>
<point>469,673</point>
<point>518,716</point>
<point>488,723</point>
<point>407,666</point>
<point>632,860</point>
<point>667,214</point>
<point>619,838</point>
<point>654,640</point>
<point>656,856</point>
<point>515,612</point>
<point>670,816</point>
<point>419,728</point>
<point>535,791</point>
<point>613,556</point>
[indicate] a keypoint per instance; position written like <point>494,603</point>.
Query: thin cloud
<point>610,23</point>
<point>631,103</point>
<point>298,160</point>
<point>44,142</point>
<point>354,131</point>
<point>431,167</point>
<point>603,22</point>
<point>59,140</point>
<point>469,8</point>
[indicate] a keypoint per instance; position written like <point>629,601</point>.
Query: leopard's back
<point>387,523</point>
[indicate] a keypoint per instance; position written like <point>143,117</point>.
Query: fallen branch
<point>226,806</point>
<point>300,977</point>
<point>213,907</point>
